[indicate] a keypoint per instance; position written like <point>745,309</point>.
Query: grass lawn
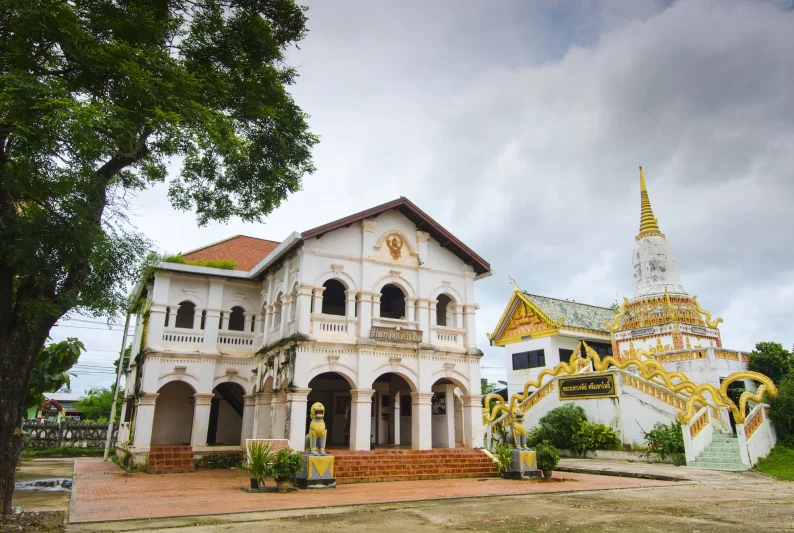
<point>779,463</point>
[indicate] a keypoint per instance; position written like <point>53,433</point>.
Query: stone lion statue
<point>517,434</point>
<point>315,440</point>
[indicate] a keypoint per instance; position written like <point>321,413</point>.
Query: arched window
<point>444,316</point>
<point>392,302</point>
<point>167,315</point>
<point>184,315</point>
<point>293,304</point>
<point>220,322</point>
<point>334,298</point>
<point>203,318</point>
<point>237,319</point>
<point>253,322</point>
<point>277,311</point>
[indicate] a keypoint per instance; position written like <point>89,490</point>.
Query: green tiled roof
<point>577,315</point>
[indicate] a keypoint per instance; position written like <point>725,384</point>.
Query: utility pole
<point>116,391</point>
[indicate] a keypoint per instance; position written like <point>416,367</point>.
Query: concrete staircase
<point>409,465</point>
<point>721,454</point>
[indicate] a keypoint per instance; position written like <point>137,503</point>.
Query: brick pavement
<point>104,492</point>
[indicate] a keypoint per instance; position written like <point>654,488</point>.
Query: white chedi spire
<point>655,266</point>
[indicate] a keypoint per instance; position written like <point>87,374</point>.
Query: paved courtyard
<point>102,492</point>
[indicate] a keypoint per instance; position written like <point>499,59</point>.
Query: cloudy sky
<point>520,125</point>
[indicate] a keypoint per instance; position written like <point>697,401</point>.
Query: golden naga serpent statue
<point>649,370</point>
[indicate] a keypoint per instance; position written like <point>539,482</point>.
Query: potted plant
<point>259,457</point>
<point>286,465</point>
<point>547,458</point>
<point>503,459</point>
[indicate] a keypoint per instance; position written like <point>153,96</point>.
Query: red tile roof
<point>245,251</point>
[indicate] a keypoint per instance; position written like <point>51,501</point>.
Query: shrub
<point>259,458</point>
<point>781,409</point>
<point>547,456</point>
<point>216,461</point>
<point>504,460</point>
<point>286,464</point>
<point>559,425</point>
<point>594,437</point>
<point>225,264</point>
<point>667,440</point>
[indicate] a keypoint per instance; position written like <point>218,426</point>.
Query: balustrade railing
<point>235,339</point>
<point>446,335</point>
<point>183,336</point>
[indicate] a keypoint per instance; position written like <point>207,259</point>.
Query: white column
<point>410,309</point>
<point>376,305</point>
<point>197,319</point>
<point>422,308</point>
<point>472,421</point>
<point>360,420</point>
<point>156,326</point>
<point>318,299</point>
<point>458,421</point>
<point>396,419</point>
<point>144,420</point>
<point>365,313</point>
<point>433,305</point>
<point>458,317</point>
<point>350,308</point>
<point>201,419</point>
<point>279,415</point>
<point>262,412</point>
<point>247,431</point>
<point>421,422</point>
<point>449,393</point>
<point>211,330</point>
<point>304,315</point>
<point>470,325</point>
<point>296,409</point>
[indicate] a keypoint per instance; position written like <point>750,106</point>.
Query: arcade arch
<point>173,415</point>
<point>332,389</point>
<point>226,415</point>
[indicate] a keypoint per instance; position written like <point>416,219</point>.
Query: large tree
<point>97,97</point>
<point>772,360</point>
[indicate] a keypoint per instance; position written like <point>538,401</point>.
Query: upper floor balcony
<point>329,313</point>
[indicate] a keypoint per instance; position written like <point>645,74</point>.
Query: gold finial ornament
<point>649,226</point>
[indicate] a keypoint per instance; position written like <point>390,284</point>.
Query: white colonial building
<point>373,315</point>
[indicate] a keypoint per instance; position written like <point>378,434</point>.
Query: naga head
<point>317,411</point>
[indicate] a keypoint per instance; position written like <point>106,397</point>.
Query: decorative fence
<point>74,434</point>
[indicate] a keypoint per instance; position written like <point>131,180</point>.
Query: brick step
<point>405,465</point>
<point>412,477</point>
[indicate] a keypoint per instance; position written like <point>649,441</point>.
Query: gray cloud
<point>520,127</point>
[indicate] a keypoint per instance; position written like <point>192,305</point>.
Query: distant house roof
<point>246,252</point>
<point>575,314</point>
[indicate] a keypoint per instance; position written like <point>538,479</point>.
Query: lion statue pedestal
<point>318,466</point>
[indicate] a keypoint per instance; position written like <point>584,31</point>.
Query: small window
<point>537,359</point>
<point>203,318</point>
<point>237,319</point>
<point>253,323</point>
<point>565,355</point>
<point>601,348</point>
<point>520,360</point>
<point>167,315</point>
<point>220,322</point>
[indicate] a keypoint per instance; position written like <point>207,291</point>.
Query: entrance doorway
<point>333,391</point>
<point>226,415</point>
<point>391,412</point>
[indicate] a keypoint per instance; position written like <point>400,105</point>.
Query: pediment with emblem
<point>521,319</point>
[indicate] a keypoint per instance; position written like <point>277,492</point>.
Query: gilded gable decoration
<point>397,245</point>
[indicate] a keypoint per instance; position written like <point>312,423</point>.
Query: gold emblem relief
<point>395,245</point>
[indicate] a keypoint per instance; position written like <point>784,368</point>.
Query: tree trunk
<point>18,353</point>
